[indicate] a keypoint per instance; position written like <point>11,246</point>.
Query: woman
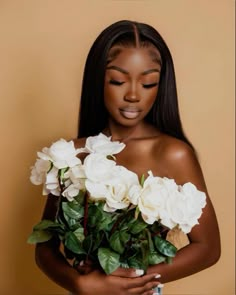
<point>129,93</point>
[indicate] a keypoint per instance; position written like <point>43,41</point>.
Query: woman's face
<point>131,83</point>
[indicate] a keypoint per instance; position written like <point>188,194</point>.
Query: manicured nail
<point>160,286</point>
<point>81,263</point>
<point>139,272</point>
<point>157,276</point>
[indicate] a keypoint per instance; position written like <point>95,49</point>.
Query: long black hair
<point>165,111</point>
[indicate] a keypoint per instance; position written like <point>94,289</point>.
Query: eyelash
<point>146,86</point>
<point>150,85</point>
<point>114,82</point>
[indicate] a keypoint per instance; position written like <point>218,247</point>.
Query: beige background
<point>43,46</point>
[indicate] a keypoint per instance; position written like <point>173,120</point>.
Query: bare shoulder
<point>174,150</point>
<point>180,161</point>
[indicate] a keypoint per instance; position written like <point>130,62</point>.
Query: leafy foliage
<point>115,239</point>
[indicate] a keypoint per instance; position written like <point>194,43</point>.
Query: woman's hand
<point>96,282</point>
<point>129,273</point>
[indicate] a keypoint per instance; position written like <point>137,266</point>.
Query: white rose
<point>135,193</point>
<point>103,145</point>
<point>72,191</point>
<point>97,191</point>
<point>76,175</point>
<point>185,206</point>
<point>152,201</point>
<point>52,183</point>
<point>98,168</point>
<point>117,198</point>
<point>62,153</point>
<point>39,171</point>
<point>119,187</point>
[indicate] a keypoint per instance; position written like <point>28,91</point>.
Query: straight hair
<point>164,114</point>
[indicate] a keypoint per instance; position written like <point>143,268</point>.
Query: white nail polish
<point>139,272</point>
<point>81,263</point>
<point>157,276</point>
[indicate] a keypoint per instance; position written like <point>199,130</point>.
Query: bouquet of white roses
<point>105,213</point>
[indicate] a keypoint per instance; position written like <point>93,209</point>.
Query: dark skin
<point>130,88</point>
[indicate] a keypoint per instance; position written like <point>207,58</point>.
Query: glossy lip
<point>130,113</point>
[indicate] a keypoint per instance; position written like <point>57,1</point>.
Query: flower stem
<point>62,187</point>
<point>119,220</point>
<point>58,206</point>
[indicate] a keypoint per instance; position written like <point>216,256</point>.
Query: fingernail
<point>157,276</point>
<point>139,272</point>
<point>81,263</point>
<point>160,286</point>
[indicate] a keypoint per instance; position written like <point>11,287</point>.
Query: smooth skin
<point>130,89</point>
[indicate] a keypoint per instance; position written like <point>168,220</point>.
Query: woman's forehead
<point>121,53</point>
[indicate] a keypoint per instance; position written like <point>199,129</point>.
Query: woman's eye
<point>115,82</point>
<point>150,85</point>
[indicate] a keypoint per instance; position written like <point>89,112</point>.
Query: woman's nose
<point>132,95</point>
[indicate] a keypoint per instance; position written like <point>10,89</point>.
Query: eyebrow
<point>125,72</point>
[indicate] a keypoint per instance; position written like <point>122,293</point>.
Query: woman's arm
<point>49,258</point>
<point>204,248</point>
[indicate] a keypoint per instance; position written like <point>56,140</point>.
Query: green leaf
<point>79,199</point>
<point>145,252</point>
<point>72,223</point>
<point>165,247</point>
<point>46,224</point>
<point>150,242</point>
<point>94,215</point>
<point>73,210</point>
<point>155,258</point>
<point>105,222</point>
<point>118,241</point>
<point>98,218</point>
<point>138,226</point>
<point>124,236</point>
<point>136,261</point>
<point>136,213</point>
<point>98,238</point>
<point>108,260</point>
<point>73,244</point>
<point>88,243</point>
<point>142,179</point>
<point>39,236</point>
<point>79,233</point>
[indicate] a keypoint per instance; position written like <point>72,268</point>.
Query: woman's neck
<point>124,134</point>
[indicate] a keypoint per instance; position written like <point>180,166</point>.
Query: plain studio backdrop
<point>43,47</point>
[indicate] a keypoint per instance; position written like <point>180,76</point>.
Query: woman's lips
<point>129,113</point>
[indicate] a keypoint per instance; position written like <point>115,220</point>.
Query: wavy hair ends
<point>165,111</point>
